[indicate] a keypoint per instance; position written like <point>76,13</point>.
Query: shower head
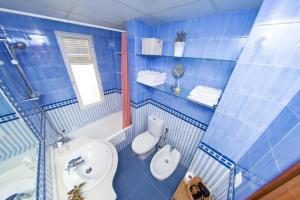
<point>18,45</point>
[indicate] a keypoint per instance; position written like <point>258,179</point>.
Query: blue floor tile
<point>121,188</point>
<point>145,191</point>
<point>134,180</point>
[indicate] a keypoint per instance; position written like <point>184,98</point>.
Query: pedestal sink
<point>98,164</point>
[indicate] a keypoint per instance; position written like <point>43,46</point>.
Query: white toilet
<point>144,143</point>
<point>164,162</point>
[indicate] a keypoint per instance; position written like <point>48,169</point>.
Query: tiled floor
<point>133,180</point>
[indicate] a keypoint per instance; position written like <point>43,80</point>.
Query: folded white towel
<point>205,95</point>
<point>153,84</point>
<point>208,90</point>
<point>207,98</point>
<point>204,101</point>
<point>152,73</point>
<point>151,78</point>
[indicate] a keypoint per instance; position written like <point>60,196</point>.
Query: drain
<point>166,161</point>
<point>88,170</point>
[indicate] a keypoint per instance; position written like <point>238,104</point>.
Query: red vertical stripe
<point>125,84</point>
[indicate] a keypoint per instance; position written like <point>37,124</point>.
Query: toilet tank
<point>156,126</point>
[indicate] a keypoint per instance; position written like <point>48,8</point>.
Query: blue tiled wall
<point>219,36</point>
<point>10,76</point>
<point>45,69</point>
<point>43,62</point>
<point>264,81</point>
<point>273,152</point>
<point>5,108</point>
<point>136,29</point>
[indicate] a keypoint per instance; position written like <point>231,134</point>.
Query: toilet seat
<point>143,143</point>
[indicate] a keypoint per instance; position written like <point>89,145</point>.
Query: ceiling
<point>115,13</point>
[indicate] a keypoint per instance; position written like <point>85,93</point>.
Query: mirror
<point>178,70</point>
<point>18,155</point>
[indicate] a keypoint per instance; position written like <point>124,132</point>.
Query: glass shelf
<point>211,59</point>
<point>169,89</point>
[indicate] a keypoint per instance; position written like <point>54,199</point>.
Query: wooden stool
<point>182,192</point>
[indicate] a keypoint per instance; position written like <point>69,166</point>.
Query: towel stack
<point>205,95</point>
<point>151,78</point>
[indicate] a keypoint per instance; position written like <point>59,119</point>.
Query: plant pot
<point>178,49</point>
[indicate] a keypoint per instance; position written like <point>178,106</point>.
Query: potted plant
<point>75,193</point>
<point>179,44</point>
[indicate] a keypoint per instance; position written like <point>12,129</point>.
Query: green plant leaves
<point>75,193</point>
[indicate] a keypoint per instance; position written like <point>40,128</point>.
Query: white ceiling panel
<point>34,8</point>
<point>151,20</point>
<point>153,6</point>
<point>227,5</point>
<point>106,10</point>
<point>38,5</point>
<point>197,8</point>
<point>115,13</point>
<point>76,17</point>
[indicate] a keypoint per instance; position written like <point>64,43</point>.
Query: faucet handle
<point>75,159</point>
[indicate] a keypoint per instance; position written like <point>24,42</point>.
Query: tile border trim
<point>180,115</point>
<point>140,104</point>
<point>59,104</point>
<point>176,113</point>
<point>9,117</point>
<point>67,102</point>
<point>225,161</point>
<point>22,114</point>
<point>230,193</point>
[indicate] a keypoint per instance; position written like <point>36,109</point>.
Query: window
<point>79,56</point>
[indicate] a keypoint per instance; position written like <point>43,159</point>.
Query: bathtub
<point>108,128</point>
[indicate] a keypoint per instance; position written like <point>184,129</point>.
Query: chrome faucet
<point>62,140</point>
<point>75,162</point>
<point>172,148</point>
<point>19,196</point>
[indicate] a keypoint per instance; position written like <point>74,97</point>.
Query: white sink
<point>98,163</point>
<point>23,185</point>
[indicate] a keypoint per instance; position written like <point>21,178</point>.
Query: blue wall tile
<point>283,123</point>
<point>219,36</point>
<point>279,11</point>
<point>294,104</point>
<point>276,144</point>
<point>42,60</point>
<point>286,152</point>
<point>5,108</point>
<point>265,172</point>
<point>263,82</point>
<point>258,115</point>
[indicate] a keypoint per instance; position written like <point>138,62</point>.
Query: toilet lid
<point>143,143</point>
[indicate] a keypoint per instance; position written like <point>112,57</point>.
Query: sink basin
<point>19,186</point>
<point>98,163</point>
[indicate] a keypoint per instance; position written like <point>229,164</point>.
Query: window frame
<point>59,36</point>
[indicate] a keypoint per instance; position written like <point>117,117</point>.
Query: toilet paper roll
<point>188,176</point>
